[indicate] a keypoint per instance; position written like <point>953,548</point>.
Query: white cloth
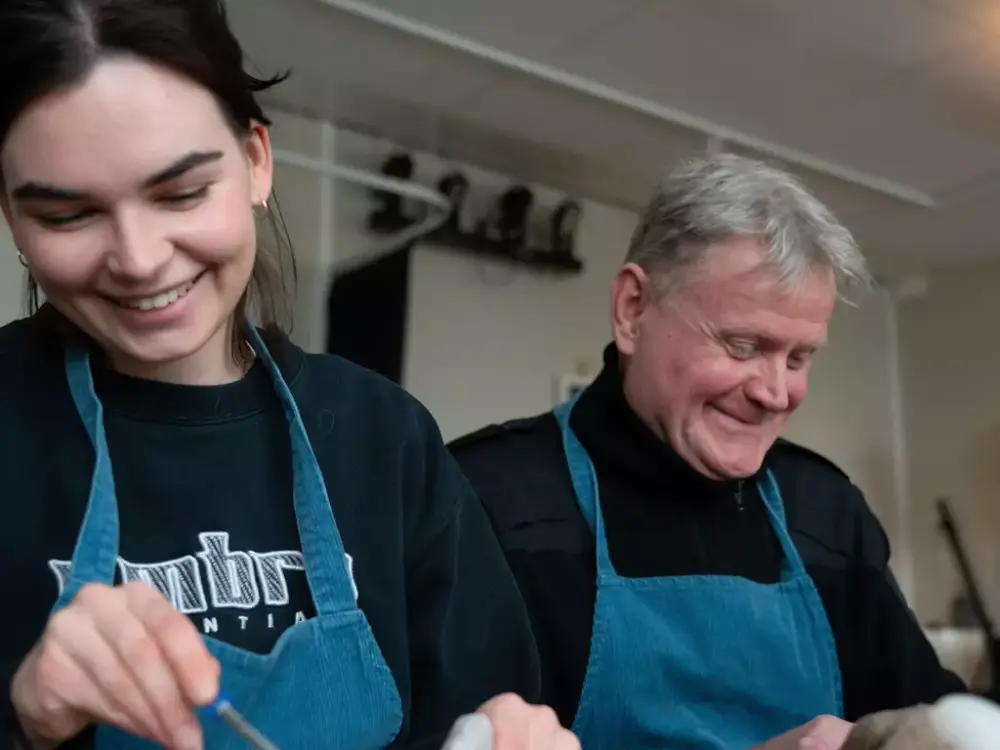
<point>470,732</point>
<point>959,722</point>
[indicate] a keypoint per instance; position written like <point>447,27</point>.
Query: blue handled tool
<point>470,732</point>
<point>224,709</point>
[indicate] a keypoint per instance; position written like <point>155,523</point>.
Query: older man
<point>694,580</point>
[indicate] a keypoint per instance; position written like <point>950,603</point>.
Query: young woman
<point>193,503</point>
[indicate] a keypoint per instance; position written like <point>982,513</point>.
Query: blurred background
<point>888,109</point>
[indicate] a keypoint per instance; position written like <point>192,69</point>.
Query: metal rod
<point>979,609</point>
<point>363,177</point>
<point>375,181</point>
<point>972,590</point>
<point>225,711</point>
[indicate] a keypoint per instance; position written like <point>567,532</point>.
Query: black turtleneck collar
<point>619,441</point>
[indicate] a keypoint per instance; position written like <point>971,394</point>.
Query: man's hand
<point>508,723</point>
<point>520,726</point>
<point>822,733</point>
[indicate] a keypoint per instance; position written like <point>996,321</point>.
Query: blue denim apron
<point>325,682</point>
<point>699,662</point>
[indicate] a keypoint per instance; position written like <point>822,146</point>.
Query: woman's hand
<point>520,726</point>
<point>822,733</point>
<point>116,655</point>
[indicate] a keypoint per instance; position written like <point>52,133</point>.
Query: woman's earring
<point>21,259</point>
<point>263,210</point>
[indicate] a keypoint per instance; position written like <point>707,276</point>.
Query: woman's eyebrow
<point>38,191</point>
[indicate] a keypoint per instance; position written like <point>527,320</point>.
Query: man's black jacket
<point>663,519</point>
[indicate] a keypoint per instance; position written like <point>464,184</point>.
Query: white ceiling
<point>905,91</point>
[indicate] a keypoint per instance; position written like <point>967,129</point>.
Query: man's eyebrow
<point>774,342</point>
<point>39,191</point>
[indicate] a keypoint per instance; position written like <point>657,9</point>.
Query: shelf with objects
<point>503,233</point>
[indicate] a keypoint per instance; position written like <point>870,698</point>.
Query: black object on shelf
<point>507,221</point>
<point>389,217</point>
<point>562,228</point>
<point>974,596</point>
<point>455,187</point>
<point>502,234</point>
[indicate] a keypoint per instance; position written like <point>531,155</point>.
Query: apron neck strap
<point>585,485</point>
<point>95,555</point>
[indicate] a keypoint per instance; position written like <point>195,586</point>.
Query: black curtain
<point>366,314</point>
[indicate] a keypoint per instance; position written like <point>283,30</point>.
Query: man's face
<point>718,369</point>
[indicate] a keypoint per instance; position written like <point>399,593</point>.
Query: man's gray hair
<point>711,199</point>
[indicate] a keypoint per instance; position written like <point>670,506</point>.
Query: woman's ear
<point>261,161</point>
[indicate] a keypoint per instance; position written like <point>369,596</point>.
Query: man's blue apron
<point>325,683</point>
<point>706,662</point>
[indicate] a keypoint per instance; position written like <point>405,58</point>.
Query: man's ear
<point>632,293</point>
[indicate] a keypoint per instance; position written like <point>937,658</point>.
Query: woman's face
<point>132,201</point>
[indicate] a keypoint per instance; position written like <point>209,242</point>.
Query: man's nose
<point>770,389</point>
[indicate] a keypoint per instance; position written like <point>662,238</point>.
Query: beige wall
<point>951,371</point>
<point>849,415</point>
<point>300,198</point>
<point>11,277</point>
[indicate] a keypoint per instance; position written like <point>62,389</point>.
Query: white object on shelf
<point>567,386</point>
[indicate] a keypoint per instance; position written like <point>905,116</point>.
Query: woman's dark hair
<point>47,45</point>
